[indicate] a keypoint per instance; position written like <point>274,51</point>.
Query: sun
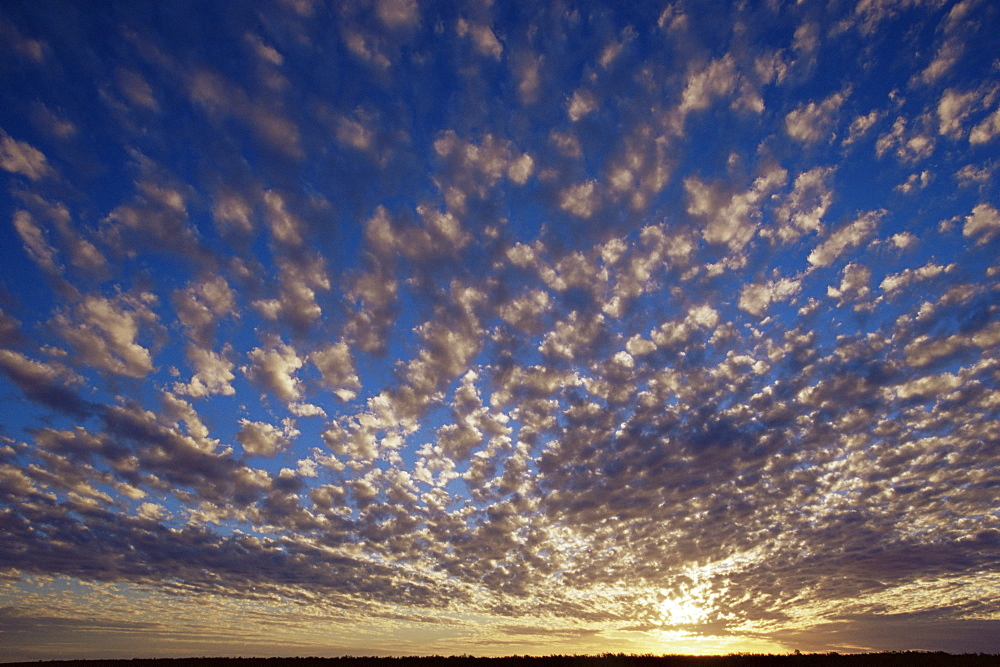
<point>681,611</point>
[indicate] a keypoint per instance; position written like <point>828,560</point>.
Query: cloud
<point>262,439</point>
<point>912,144</point>
<point>717,79</point>
<point>986,130</point>
<point>847,237</point>
<point>273,369</point>
<point>201,305</point>
<point>861,125</point>
<point>22,158</point>
<point>812,122</point>
<point>51,385</point>
<point>638,326</point>
<point>105,332</point>
<point>732,221</point>
<point>36,244</point>
<point>398,13</point>
<point>984,222</point>
<point>803,210</point>
<point>756,297</point>
<point>891,284</point>
<point>952,110</point>
<point>854,286</point>
<point>336,365</point>
<point>581,199</point>
<point>482,37</point>
<point>157,217</point>
<point>582,103</point>
<point>213,373</point>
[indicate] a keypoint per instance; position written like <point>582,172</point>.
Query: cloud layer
<point>407,327</point>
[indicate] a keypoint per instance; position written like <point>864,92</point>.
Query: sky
<point>387,327</point>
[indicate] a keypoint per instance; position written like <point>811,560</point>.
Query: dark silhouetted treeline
<point>900,659</point>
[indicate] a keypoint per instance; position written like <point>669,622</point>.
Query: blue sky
<point>492,328</point>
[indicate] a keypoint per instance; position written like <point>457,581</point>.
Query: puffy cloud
<point>717,79</point>
<point>398,13</point>
<point>952,110</point>
<point>732,221</point>
<point>552,364</point>
<point>525,312</point>
<point>912,144</point>
<point>984,223</point>
<point>893,283</point>
<point>213,373</point>
<point>263,439</point>
<point>849,236</point>
<point>200,306</point>
<point>230,210</point>
<point>581,103</point>
<point>854,285</point>
<point>157,217</point>
<point>915,182</point>
<point>441,234</point>
<point>335,363</point>
<point>273,368</point>
<point>572,336</point>
<point>472,170</point>
<point>36,244</point>
<point>986,130</point>
<point>813,122</point>
<point>861,125</point>
<point>925,350</point>
<point>22,158</point>
<point>581,199</point>
<point>104,332</point>
<point>803,210</point>
<point>756,297</point>
<point>484,39</point>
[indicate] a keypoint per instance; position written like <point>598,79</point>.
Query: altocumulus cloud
<point>391,326</point>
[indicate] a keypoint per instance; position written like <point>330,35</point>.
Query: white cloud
<point>893,283</point>
<point>860,126</point>
<point>274,369</point>
<point>756,297</point>
<point>581,199</point>
<point>803,210</point>
<point>912,144</point>
<point>986,130</point>
<point>263,439</point>
<point>984,223</point>
<point>952,110</point>
<point>813,122</point>
<point>213,373</point>
<point>398,13</point>
<point>336,364</point>
<point>717,79</point>
<point>581,103</point>
<point>915,182</point>
<point>104,333</point>
<point>853,285</point>
<point>36,243</point>
<point>732,220</point>
<point>484,39</point>
<point>201,305</point>
<point>848,236</point>
<point>22,158</point>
